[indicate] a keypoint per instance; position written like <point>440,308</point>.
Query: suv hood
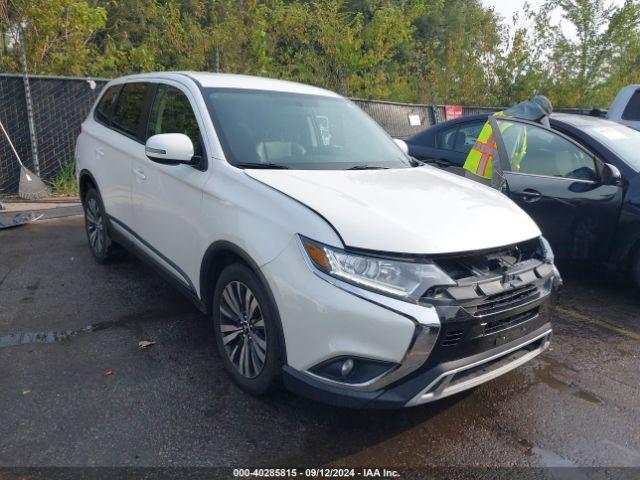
<point>419,210</point>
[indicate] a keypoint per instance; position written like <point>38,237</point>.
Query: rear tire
<point>102,247</point>
<point>245,327</point>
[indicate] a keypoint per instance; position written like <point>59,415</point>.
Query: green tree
<point>428,51</point>
<point>578,69</point>
<point>58,35</point>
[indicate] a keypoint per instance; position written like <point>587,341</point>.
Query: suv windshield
<point>263,129</point>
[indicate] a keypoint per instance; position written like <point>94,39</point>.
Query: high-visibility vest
<point>480,159</point>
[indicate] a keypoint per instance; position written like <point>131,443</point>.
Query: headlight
<point>547,250</point>
<point>550,258</point>
<point>407,280</point>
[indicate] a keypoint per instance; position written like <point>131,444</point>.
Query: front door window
<point>538,151</point>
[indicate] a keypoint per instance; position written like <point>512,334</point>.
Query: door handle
<point>530,195</point>
<point>99,153</point>
<point>140,174</point>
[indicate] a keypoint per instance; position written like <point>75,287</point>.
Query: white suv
<point>328,260</point>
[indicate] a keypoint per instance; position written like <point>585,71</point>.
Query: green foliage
<point>58,35</point>
<point>429,51</point>
<point>579,70</point>
<point>65,182</point>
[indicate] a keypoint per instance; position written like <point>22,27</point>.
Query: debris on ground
<point>109,373</point>
<point>145,343</point>
<point>10,220</point>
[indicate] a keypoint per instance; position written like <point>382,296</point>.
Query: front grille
<point>452,338</point>
<point>505,300</point>
<point>496,297</point>
<point>497,325</point>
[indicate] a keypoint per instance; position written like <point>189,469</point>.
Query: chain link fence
<point>399,119</point>
<point>60,105</point>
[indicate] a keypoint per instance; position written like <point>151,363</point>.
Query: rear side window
<point>104,110</point>
<point>632,110</point>
<point>466,137</point>
<point>446,139</point>
<point>130,108</point>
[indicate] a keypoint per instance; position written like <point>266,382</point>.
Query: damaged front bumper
<point>491,320</point>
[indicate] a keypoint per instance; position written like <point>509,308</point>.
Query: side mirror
<point>403,145</point>
<point>611,175</point>
<point>170,149</point>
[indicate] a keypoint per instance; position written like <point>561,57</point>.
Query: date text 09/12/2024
<point>316,473</point>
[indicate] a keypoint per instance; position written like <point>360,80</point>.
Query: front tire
<point>102,247</point>
<point>246,332</point>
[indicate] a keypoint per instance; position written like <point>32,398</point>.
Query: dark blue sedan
<point>579,181</point>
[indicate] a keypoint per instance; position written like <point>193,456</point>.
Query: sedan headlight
<point>404,279</point>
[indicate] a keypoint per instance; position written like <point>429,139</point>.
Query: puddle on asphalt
<point>25,338</point>
<point>28,338</point>
<point>544,374</point>
<point>548,458</point>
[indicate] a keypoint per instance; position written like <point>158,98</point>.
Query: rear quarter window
<point>104,109</point>
<point>424,139</point>
<point>446,138</point>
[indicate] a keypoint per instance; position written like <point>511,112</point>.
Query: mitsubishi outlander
<point>328,260</point>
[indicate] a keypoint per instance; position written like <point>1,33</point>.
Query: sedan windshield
<point>263,129</point>
<point>622,140</point>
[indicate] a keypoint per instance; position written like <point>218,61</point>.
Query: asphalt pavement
<point>76,389</point>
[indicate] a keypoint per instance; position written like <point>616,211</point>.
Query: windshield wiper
<point>368,167</point>
<point>274,166</point>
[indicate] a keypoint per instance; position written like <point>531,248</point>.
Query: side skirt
<point>131,247</point>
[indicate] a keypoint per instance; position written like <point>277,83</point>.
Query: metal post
<point>27,95</point>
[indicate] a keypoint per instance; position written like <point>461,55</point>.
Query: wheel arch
<point>219,255</point>
<point>85,181</point>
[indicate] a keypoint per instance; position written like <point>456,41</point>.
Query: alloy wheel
<point>95,226</point>
<point>242,326</point>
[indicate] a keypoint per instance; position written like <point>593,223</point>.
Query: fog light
<point>351,370</point>
<point>347,367</point>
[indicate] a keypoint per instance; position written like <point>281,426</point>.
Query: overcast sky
<point>507,8</point>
